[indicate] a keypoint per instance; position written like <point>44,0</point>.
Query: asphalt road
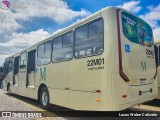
<point>22,104</point>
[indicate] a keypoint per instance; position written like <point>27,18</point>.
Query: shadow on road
<point>57,111</point>
<point>155,102</point>
<point>61,111</point>
<point>37,104</point>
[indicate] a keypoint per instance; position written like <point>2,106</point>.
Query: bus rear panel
<point>136,78</point>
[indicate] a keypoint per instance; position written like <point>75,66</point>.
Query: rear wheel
<point>44,98</point>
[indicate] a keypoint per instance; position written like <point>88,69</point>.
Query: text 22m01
<point>95,62</point>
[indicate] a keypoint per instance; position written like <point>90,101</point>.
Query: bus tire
<point>44,98</point>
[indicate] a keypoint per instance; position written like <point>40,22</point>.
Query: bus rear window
<point>136,30</point>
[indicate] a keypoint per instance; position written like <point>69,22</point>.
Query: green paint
<point>136,30</point>
<point>43,74</point>
<point>143,66</point>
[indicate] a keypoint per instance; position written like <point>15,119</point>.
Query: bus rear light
<point>124,96</point>
<point>98,91</point>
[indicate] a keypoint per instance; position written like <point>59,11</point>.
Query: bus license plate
<point>142,81</point>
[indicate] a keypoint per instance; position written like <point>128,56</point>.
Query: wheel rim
<point>44,98</point>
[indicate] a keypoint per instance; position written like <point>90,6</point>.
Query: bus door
<point>30,83</point>
<point>22,74</point>
<point>31,69</point>
<point>15,74</point>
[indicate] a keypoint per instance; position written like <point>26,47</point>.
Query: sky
<point>25,22</point>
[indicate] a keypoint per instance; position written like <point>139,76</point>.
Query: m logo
<point>143,66</point>
<point>43,74</point>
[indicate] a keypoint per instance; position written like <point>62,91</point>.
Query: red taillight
<point>98,91</point>
<point>124,96</point>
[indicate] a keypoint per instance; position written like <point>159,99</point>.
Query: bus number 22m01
<point>95,62</point>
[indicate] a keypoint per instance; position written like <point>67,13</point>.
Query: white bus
<point>104,62</point>
<point>157,56</point>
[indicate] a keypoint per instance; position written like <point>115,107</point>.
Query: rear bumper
<point>119,107</point>
<point>158,93</point>
<point>121,88</point>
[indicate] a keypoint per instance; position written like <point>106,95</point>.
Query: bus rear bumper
<point>126,96</point>
<point>119,107</point>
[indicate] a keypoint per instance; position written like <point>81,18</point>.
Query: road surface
<point>22,104</point>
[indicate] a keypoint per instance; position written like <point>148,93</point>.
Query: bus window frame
<point>18,63</point>
<point>71,31</point>
<point>16,68</point>
<point>97,19</point>
<point>20,60</point>
<point>10,60</point>
<point>44,49</point>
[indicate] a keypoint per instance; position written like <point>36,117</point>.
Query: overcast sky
<point>28,21</point>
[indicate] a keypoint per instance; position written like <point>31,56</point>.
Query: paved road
<point>18,103</point>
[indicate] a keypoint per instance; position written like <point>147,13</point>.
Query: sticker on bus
<point>36,70</point>
<point>127,48</point>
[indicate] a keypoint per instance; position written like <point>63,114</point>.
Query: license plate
<point>142,81</point>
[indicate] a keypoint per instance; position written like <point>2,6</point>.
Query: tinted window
<point>5,66</point>
<point>31,61</point>
<point>57,43</point>
<point>16,70</point>
<point>11,61</point>
<point>63,48</point>
<point>23,60</point>
<point>16,65</point>
<point>44,53</point>
<point>47,52</point>
<point>81,33</point>
<point>95,28</point>
<point>91,40</point>
<point>40,54</point>
<point>68,39</point>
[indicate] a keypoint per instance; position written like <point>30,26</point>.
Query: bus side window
<point>63,47</point>
<point>96,35</point>
<point>68,45</point>
<point>81,34</point>
<point>89,39</point>
<point>47,52</point>
<point>16,64</point>
<point>16,70</point>
<point>57,52</point>
<point>31,61</point>
<point>44,53</point>
<point>23,60</point>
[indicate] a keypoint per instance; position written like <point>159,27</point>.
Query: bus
<point>104,62</point>
<point>157,56</point>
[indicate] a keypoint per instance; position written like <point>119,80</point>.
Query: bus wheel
<point>9,90</point>
<point>44,98</point>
